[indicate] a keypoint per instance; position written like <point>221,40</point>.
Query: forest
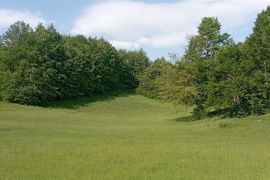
<point>216,75</point>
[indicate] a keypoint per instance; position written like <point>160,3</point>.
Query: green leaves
<point>215,74</point>
<point>153,82</point>
<point>42,65</point>
<point>232,79</point>
<point>199,55</point>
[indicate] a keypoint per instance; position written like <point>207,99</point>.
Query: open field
<point>129,137</point>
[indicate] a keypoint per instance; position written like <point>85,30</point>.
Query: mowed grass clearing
<point>129,137</point>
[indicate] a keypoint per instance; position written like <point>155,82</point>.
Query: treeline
<point>41,65</point>
<point>216,74</point>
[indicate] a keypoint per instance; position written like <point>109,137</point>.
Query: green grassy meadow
<point>129,137</point>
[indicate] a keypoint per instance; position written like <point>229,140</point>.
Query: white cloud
<point>125,44</point>
<point>9,17</point>
<point>131,24</point>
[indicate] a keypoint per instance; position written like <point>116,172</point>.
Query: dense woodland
<point>41,65</point>
<point>216,74</point>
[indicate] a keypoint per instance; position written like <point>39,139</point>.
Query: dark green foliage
<point>36,68</point>
<point>216,75</point>
<point>230,79</point>
<point>78,67</point>
<point>151,79</point>
<point>199,54</point>
<point>208,41</point>
<point>227,86</point>
<point>107,67</point>
<point>41,66</point>
<point>136,61</point>
<point>239,77</point>
<point>257,49</point>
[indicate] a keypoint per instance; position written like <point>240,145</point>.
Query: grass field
<point>129,137</point>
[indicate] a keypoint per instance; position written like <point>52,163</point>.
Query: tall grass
<point>129,137</point>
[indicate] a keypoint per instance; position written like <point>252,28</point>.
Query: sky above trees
<point>158,26</point>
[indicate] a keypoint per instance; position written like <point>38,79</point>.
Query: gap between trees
<point>217,75</point>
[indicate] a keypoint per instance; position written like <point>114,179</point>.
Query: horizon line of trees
<point>40,65</point>
<point>216,75</point>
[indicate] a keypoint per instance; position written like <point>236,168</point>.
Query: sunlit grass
<point>129,137</point>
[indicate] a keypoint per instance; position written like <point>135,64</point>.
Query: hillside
<point>129,137</point>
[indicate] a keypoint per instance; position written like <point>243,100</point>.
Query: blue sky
<point>160,27</point>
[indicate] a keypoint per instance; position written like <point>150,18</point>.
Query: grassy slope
<point>129,137</point>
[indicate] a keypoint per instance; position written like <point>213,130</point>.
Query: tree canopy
<point>41,65</point>
<point>215,74</point>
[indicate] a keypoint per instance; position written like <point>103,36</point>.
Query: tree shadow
<point>186,119</point>
<point>84,101</point>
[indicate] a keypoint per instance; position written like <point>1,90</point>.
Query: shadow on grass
<point>84,101</point>
<point>186,119</point>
